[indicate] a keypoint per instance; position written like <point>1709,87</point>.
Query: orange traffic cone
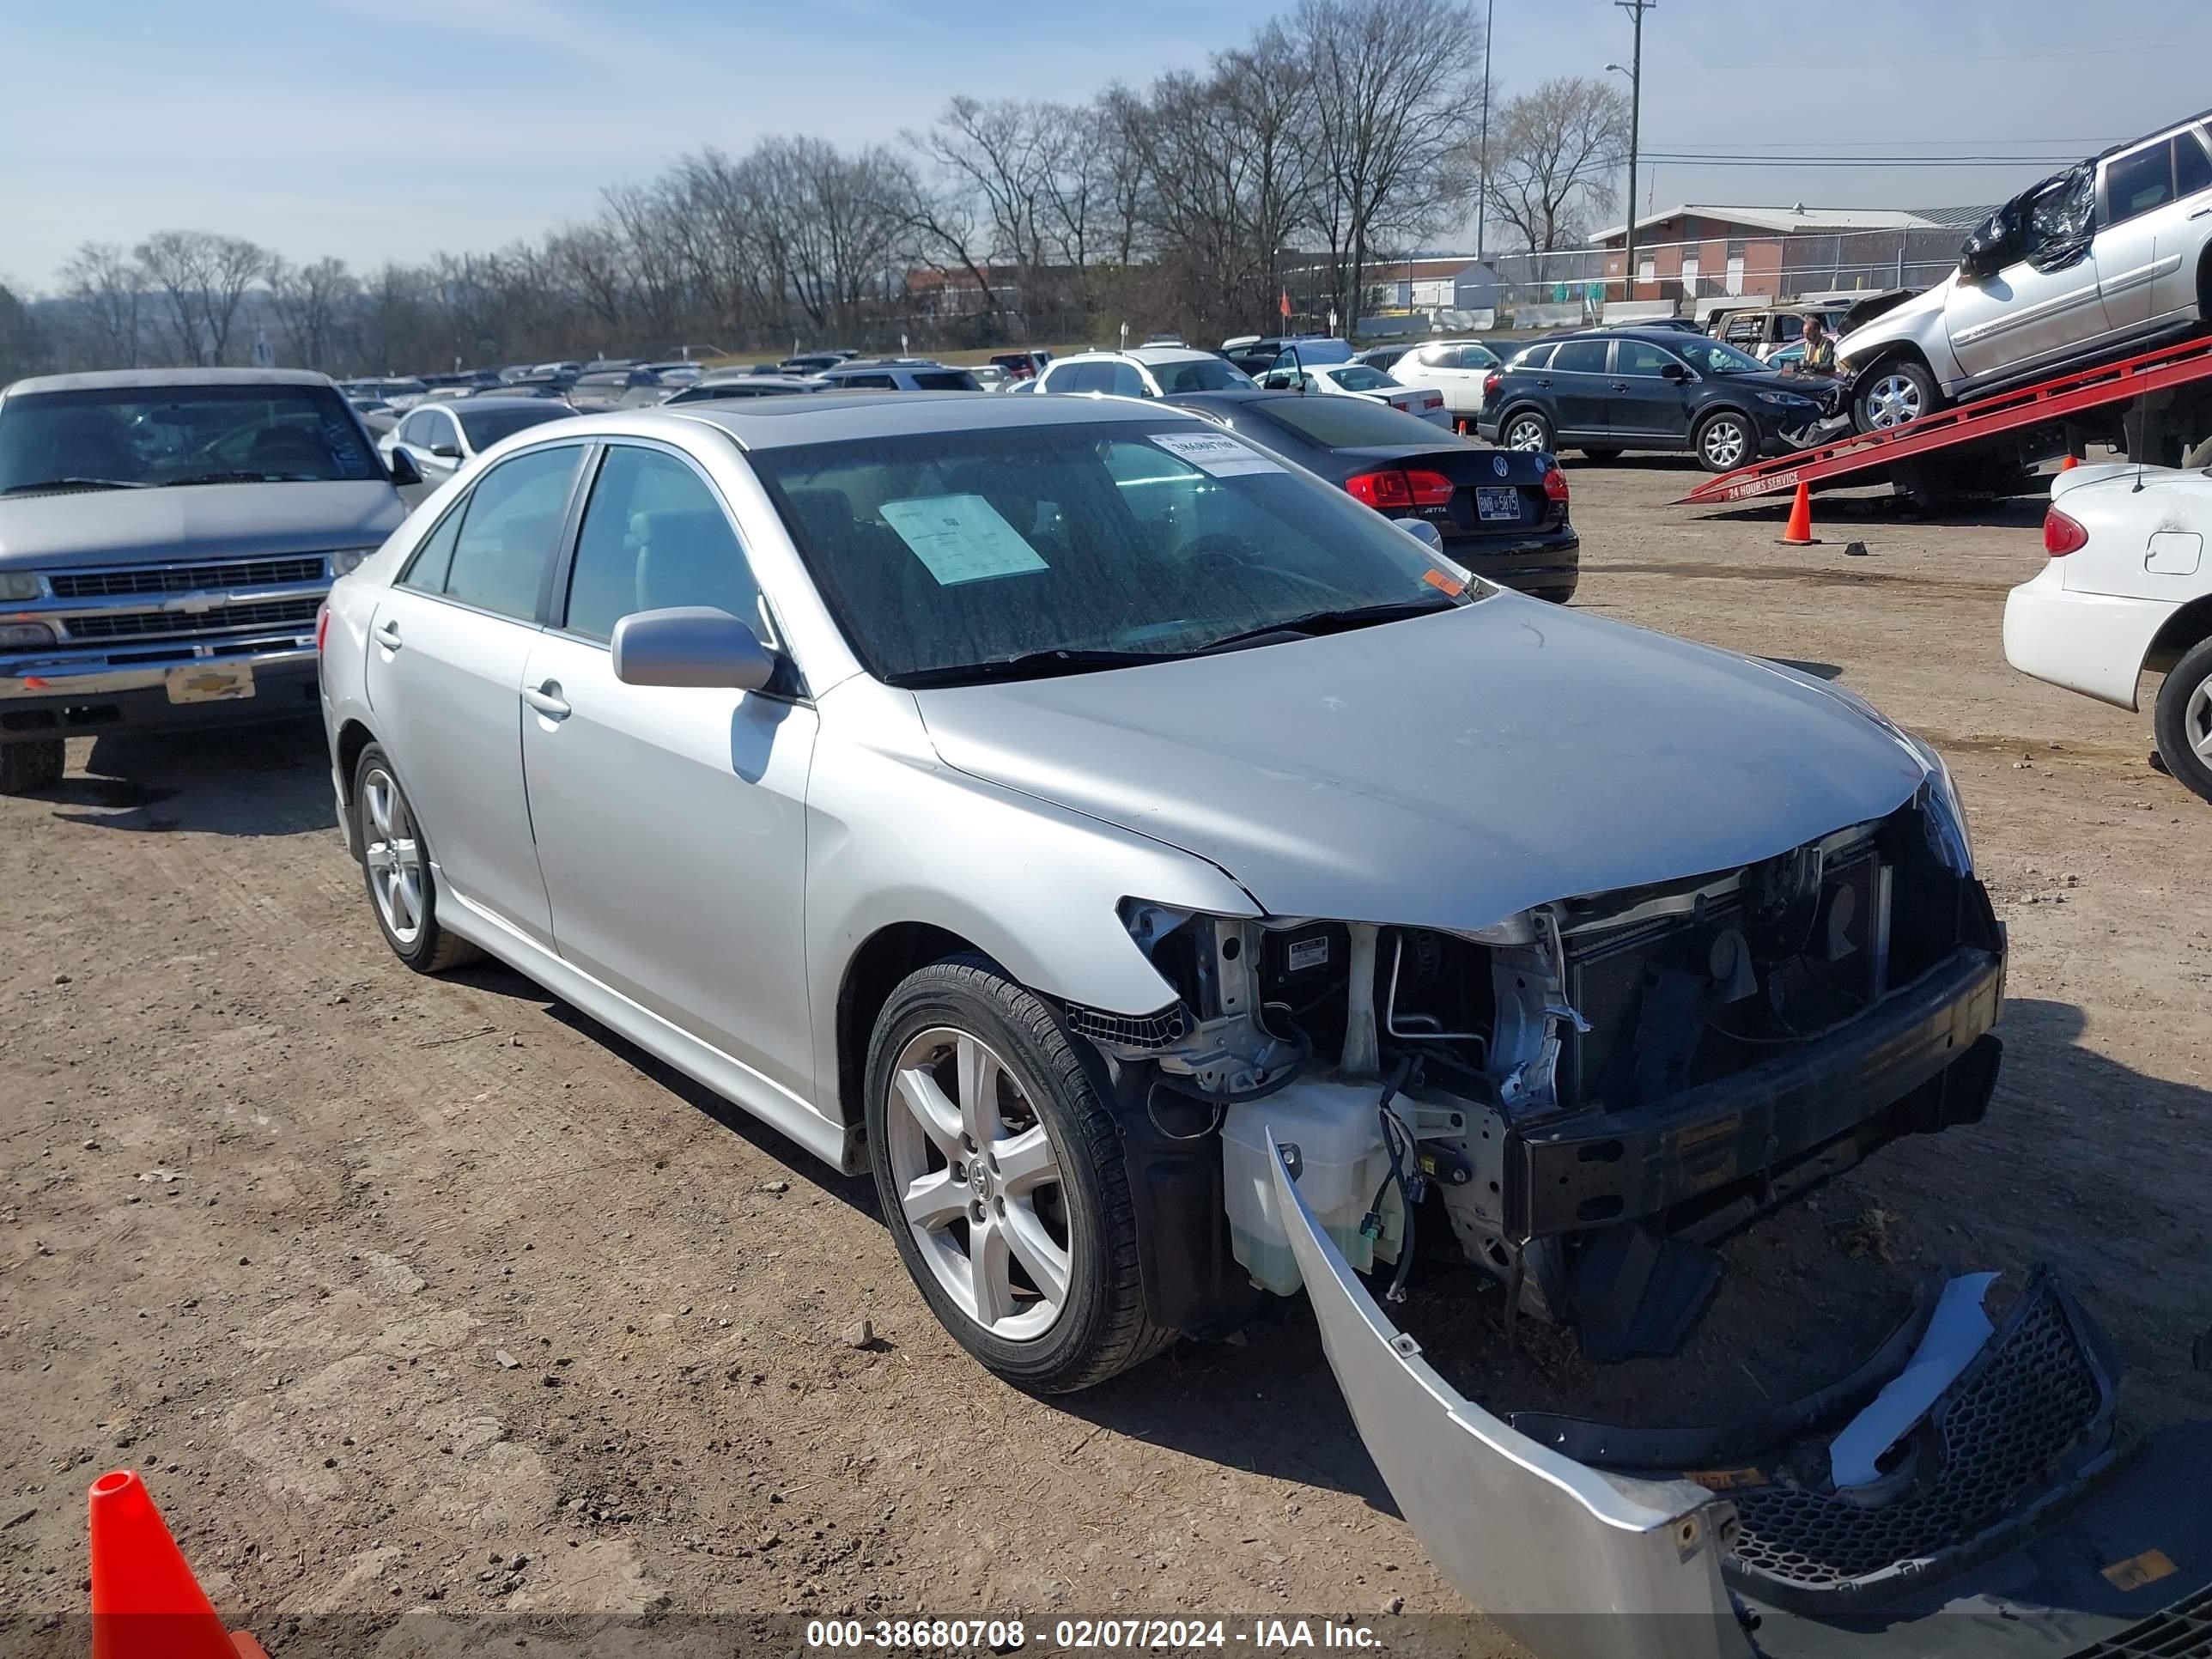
<point>2070,462</point>
<point>145,1602</point>
<point>1800,531</point>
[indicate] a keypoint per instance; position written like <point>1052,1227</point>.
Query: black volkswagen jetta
<point>1502,514</point>
<point>1610,390</point>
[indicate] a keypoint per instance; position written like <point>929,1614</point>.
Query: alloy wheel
<point>1725,444</point>
<point>393,854</point>
<point>979,1183</point>
<point>2196,721</point>
<point>1892,401</point>
<point>1525,434</point>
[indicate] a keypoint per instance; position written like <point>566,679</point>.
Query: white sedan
<point>2127,588</point>
<point>1361,380</point>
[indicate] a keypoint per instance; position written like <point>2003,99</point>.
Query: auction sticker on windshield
<point>1213,451</point>
<point>961,538</point>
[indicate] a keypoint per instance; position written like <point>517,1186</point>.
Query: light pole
<point>1628,257</point>
<point>1482,192</point>
<point>1635,9</point>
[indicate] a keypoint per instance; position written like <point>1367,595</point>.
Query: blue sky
<point>375,129</point>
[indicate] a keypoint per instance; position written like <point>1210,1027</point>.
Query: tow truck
<point>2149,406</point>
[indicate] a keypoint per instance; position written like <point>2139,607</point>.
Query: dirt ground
<point>431,1294</point>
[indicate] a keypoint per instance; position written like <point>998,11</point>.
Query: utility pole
<point>1482,192</point>
<point>1635,9</point>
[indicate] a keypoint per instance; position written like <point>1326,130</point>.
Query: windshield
<point>1361,377</point>
<point>177,435</point>
<point>486,427</point>
<point>1714,356</point>
<point>1211,374</point>
<point>940,551</point>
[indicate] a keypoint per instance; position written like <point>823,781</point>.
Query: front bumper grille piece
<point>2016,1429</point>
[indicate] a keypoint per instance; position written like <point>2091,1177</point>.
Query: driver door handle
<point>2201,212</point>
<point>1622,385</point>
<point>387,635</point>
<point>546,700</point>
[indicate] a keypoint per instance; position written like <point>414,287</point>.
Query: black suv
<point>1614,389</point>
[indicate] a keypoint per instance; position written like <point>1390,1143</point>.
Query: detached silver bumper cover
<point>2096,1557</point>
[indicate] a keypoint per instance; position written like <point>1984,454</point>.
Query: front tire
<point>1725,440</point>
<point>2183,719</point>
<point>1000,1172</point>
<point>1894,394</point>
<point>403,893</point>
<point>25,767</point>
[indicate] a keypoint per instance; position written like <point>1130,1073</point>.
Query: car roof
<point>836,418</point>
<point>1147,355</point>
<point>466,405</point>
<point>111,378</point>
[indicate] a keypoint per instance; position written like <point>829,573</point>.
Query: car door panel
<point>1643,403</point>
<point>670,822</point>
<point>445,683</point>
<point>1581,390</point>
<point>2138,204</point>
<point>2042,305</point>
<point>672,833</point>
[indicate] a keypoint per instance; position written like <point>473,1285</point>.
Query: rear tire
<point>1525,429</point>
<point>2183,719</point>
<point>395,861</point>
<point>25,767</point>
<point>988,1133</point>
<point>1893,394</point>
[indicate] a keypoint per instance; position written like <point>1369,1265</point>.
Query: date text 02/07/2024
<point>1084,1635</point>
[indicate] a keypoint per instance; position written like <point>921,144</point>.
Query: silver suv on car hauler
<point>166,538</point>
<point>2115,252</point>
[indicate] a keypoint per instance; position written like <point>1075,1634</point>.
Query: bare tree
<point>1552,155</point>
<point>1394,93</point>
<point>109,292</point>
<point>204,278</point>
<point>22,341</point>
<point>1016,172</point>
<point>311,302</point>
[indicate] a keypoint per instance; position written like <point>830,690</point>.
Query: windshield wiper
<point>1028,666</point>
<point>71,483</point>
<point>240,477</point>
<point>1329,622</point>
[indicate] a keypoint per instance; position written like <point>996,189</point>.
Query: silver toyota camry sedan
<point>1059,806</point>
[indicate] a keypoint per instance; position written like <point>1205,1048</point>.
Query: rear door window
<point>508,529</point>
<point>1580,357</point>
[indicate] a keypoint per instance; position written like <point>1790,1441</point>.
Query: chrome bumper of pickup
<point>47,676</point>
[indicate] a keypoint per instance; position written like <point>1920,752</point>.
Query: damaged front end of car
<point>1594,1089</point>
<point>1590,1093</point>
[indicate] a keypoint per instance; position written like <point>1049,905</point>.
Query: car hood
<point>1903,320</point>
<point>196,520</point>
<point>1448,770</point>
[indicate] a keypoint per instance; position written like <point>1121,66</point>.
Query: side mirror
<point>446,452</point>
<point>1674,372</point>
<point>1422,531</point>
<point>692,645</point>
<point>403,470</point>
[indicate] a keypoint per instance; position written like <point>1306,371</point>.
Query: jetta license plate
<point>210,681</point>
<point>1497,504</point>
